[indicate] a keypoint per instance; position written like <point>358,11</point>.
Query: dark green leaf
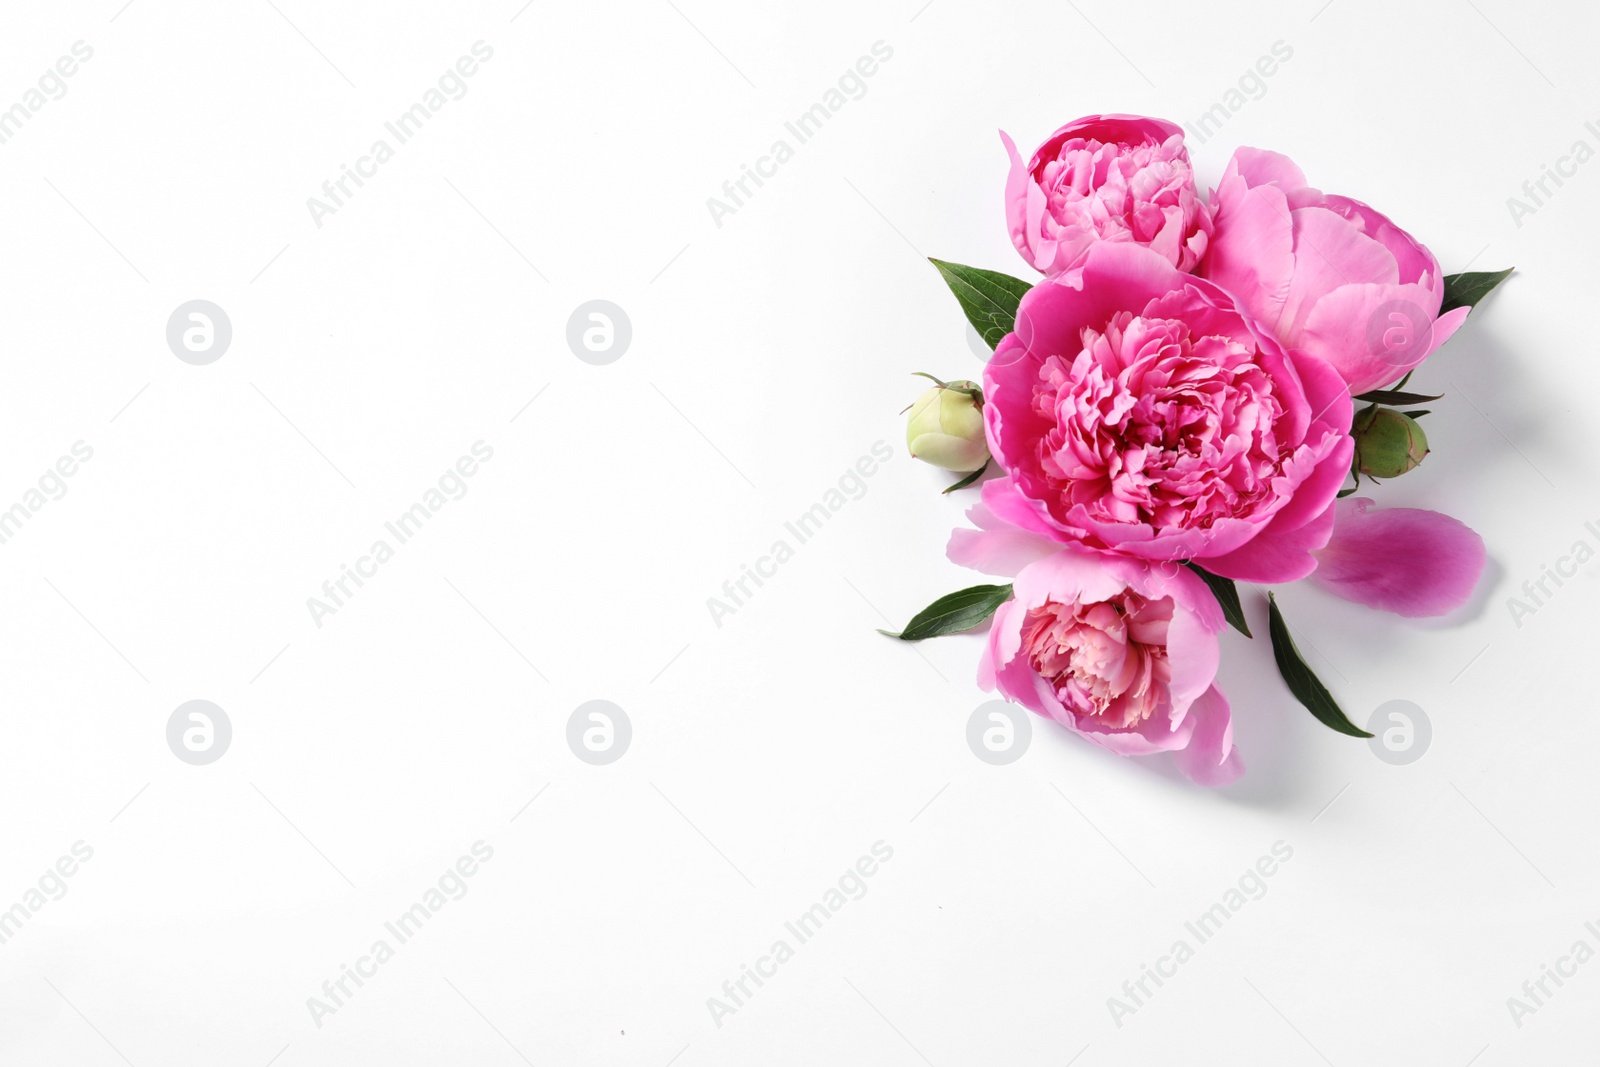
<point>1465,290</point>
<point>1227,595</point>
<point>1305,685</point>
<point>1393,396</point>
<point>1341,494</point>
<point>954,612</point>
<point>1417,414</point>
<point>969,479</point>
<point>988,298</point>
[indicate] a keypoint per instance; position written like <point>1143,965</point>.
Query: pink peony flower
<point>1405,560</point>
<point>1106,178</point>
<point>1117,649</point>
<point>1137,409</point>
<point>1326,274</point>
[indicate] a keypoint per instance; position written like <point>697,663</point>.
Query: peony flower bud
<point>946,427</point>
<point>1388,443</point>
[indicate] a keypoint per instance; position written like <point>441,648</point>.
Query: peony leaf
<point>1305,685</point>
<point>954,612</point>
<point>1465,290</point>
<point>1227,595</point>
<point>969,479</point>
<point>1394,396</point>
<point>988,298</point>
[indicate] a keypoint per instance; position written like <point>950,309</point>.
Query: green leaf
<point>1341,494</point>
<point>1227,595</point>
<point>1465,290</point>
<point>954,612</point>
<point>1417,414</point>
<point>988,298</point>
<point>969,479</point>
<point>1305,685</point>
<point>1394,396</point>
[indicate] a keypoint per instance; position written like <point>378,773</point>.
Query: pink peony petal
<point>1258,166</point>
<point>1210,758</point>
<point>996,547</point>
<point>1406,560</point>
<point>1278,555</point>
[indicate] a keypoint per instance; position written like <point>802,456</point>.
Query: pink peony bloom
<point>1106,178</point>
<point>1405,560</point>
<point>1137,409</point>
<point>1326,274</point>
<point>1117,649</point>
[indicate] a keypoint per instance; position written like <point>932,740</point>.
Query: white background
<point>768,355</point>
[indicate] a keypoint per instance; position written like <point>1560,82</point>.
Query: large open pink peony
<point>1106,178</point>
<point>1137,409</point>
<point>1326,274</point>
<point>1119,650</point>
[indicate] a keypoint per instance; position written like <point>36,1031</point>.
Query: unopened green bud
<point>1388,443</point>
<point>946,428</point>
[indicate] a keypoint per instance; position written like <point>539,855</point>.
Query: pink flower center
<point>1149,424</point>
<point>1121,188</point>
<point>1105,661</point>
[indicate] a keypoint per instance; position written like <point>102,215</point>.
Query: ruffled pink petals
<point>1137,409</point>
<point>1409,561</point>
<point>1112,648</point>
<point>1105,178</point>
<point>1210,759</point>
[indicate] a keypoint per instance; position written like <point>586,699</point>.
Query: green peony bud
<point>1388,443</point>
<point>946,428</point>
